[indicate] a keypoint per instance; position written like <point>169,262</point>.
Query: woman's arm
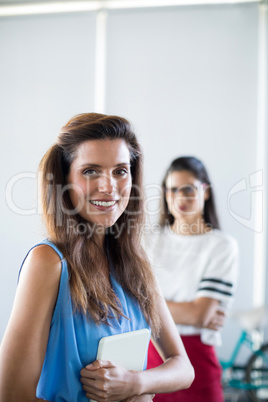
<point>176,372</point>
<point>104,381</point>
<point>24,344</point>
<point>202,312</point>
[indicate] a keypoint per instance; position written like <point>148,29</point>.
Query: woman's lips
<point>104,205</point>
<point>182,208</point>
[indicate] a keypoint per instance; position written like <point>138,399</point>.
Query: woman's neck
<point>190,227</point>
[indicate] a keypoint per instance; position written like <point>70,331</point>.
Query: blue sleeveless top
<point>73,339</point>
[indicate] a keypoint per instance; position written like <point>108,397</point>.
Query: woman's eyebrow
<point>99,166</point>
<point>123,163</point>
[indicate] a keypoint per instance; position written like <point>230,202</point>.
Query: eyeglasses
<point>188,190</point>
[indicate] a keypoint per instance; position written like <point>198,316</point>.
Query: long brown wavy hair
<point>90,292</point>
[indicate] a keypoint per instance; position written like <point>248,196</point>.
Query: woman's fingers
<point>217,321</point>
<point>96,369</point>
<point>94,394</point>
<point>106,381</point>
<point>100,364</point>
<point>100,375</point>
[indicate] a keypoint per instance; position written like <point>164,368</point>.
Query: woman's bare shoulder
<point>42,261</point>
<point>43,253</point>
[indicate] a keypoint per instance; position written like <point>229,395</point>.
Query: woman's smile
<point>104,205</point>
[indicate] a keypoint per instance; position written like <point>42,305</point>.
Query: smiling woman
<point>100,192</point>
<point>89,279</point>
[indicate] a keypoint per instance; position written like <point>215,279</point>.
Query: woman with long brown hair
<point>89,279</point>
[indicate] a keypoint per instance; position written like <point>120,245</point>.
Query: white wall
<point>185,76</point>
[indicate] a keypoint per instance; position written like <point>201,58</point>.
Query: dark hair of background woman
<point>197,168</point>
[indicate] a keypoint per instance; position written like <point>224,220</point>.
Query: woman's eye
<point>121,172</point>
<point>188,190</point>
<point>90,172</point>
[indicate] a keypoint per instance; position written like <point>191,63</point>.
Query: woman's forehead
<point>178,178</point>
<point>102,152</point>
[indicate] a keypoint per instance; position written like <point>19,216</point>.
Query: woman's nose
<point>106,184</point>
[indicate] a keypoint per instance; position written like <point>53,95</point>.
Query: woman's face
<point>100,180</point>
<point>185,195</point>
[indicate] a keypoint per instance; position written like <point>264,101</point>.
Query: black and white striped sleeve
<point>217,286</point>
<point>220,276</point>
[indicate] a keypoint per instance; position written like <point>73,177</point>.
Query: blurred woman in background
<point>196,267</point>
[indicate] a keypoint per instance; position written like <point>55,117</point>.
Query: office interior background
<point>190,76</point>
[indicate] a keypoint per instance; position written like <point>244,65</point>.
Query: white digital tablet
<point>128,350</point>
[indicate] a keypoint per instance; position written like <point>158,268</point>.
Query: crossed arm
<point>202,312</point>
<point>24,345</point>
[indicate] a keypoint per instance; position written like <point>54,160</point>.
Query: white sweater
<point>189,267</point>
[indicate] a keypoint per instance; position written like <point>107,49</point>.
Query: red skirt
<point>206,386</point>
